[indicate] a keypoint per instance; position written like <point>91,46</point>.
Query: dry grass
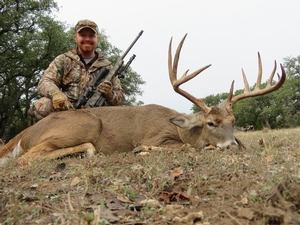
<point>254,186</point>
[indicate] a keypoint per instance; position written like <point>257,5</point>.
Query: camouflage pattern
<point>68,73</point>
<point>41,108</point>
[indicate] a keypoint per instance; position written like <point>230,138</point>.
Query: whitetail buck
<point>125,128</point>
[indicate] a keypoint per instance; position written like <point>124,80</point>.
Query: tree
<point>27,43</point>
<point>30,38</point>
<point>211,100</point>
<point>290,95</point>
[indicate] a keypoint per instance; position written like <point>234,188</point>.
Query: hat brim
<point>87,27</point>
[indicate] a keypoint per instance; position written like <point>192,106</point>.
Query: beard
<point>86,47</point>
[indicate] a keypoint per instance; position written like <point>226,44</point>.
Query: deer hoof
<point>143,148</point>
<point>210,147</point>
<point>89,150</point>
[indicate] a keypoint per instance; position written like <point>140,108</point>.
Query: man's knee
<point>41,108</point>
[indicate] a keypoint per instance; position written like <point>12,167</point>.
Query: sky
<point>225,33</point>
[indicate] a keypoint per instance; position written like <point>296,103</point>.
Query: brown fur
<point>121,129</point>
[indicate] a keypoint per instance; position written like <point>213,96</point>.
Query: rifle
<point>91,96</point>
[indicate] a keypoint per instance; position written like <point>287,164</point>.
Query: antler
<point>176,83</point>
<point>257,91</point>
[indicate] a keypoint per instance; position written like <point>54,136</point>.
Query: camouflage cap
<point>86,24</point>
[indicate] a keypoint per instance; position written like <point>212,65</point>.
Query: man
<point>64,80</point>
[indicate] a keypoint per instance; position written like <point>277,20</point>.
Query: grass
<point>259,185</point>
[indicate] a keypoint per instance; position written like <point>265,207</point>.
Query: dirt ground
<point>258,185</point>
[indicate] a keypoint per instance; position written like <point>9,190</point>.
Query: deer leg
<point>43,151</point>
<point>150,148</point>
<point>209,147</point>
<point>146,148</point>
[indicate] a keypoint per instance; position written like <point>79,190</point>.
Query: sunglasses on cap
<point>86,24</point>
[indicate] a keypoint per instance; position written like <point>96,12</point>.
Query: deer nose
<point>227,143</point>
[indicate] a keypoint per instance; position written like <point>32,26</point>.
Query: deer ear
<point>182,121</point>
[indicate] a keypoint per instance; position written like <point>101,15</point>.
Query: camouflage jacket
<point>68,73</point>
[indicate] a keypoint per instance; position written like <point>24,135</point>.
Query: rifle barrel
<point>132,44</point>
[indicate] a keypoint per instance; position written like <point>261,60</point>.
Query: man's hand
<point>105,88</point>
<point>60,101</point>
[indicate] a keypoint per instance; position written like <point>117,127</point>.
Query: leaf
<point>176,172</point>
<point>34,186</point>
<point>245,213</point>
<point>268,159</point>
<point>114,204</point>
<point>124,199</point>
<point>151,202</point>
<point>109,215</point>
<point>175,196</point>
<point>75,181</point>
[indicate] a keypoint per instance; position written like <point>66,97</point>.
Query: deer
<point>111,129</point>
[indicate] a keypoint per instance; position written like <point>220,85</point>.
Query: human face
<point>86,40</point>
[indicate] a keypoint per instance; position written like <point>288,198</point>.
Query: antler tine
<point>185,77</point>
<point>269,84</point>
<point>257,91</point>
<point>246,84</point>
<point>258,82</point>
<point>228,102</point>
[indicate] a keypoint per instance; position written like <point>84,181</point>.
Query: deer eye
<point>210,124</point>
